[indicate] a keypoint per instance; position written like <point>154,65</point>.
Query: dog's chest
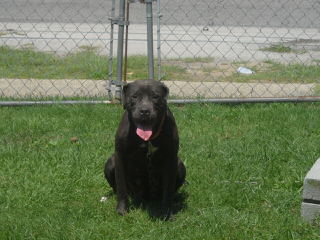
<point>152,166</point>
<point>149,154</point>
<point>151,149</point>
<point>153,170</point>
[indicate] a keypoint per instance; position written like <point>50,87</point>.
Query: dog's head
<point>146,103</point>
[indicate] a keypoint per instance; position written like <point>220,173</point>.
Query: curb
<point>310,208</point>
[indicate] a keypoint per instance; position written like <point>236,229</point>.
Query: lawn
<point>84,64</point>
<point>87,64</point>
<point>245,163</point>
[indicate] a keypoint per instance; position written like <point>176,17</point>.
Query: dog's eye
<point>134,96</point>
<point>155,97</point>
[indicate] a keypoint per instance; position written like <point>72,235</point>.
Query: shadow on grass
<point>155,211</point>
<point>153,207</point>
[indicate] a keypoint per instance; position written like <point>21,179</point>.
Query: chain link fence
<point>210,49</point>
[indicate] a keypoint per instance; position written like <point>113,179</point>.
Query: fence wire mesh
<point>53,49</point>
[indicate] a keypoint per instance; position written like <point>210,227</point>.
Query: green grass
<point>245,163</point>
<point>317,90</point>
<point>278,48</point>
<point>197,59</point>
<point>27,63</point>
<point>87,64</point>
<point>138,67</point>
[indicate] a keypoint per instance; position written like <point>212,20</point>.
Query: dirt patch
<point>215,70</point>
<point>304,44</point>
<point>9,31</point>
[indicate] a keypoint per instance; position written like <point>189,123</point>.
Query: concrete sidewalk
<point>224,43</point>
<point>24,88</point>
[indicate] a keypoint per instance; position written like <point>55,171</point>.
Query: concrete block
<point>310,211</point>
<point>311,186</point>
<point>310,208</point>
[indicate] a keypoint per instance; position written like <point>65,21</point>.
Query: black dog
<point>145,164</point>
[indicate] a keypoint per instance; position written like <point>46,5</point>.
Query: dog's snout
<point>144,112</point>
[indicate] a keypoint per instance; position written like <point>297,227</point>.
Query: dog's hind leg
<point>110,172</point>
<point>181,176</point>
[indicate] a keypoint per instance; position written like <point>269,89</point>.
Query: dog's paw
<point>166,214</point>
<point>122,208</point>
<point>163,214</point>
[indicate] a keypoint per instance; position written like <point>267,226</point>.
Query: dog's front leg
<point>169,182</point>
<point>122,195</point>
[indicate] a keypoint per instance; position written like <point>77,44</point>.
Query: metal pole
<point>111,50</point>
<point>42,103</point>
<point>121,23</point>
<point>159,40</point>
<point>247,100</point>
<point>172,101</point>
<point>150,39</point>
<point>125,69</point>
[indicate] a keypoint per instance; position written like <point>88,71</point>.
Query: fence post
<point>159,39</point>
<point>121,23</point>
<point>111,50</point>
<point>150,39</point>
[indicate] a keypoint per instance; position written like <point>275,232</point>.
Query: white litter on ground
<point>244,70</point>
<point>103,199</point>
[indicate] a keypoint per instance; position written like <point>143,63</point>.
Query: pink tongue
<point>145,134</point>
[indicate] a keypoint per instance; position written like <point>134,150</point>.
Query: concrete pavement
<point>220,43</point>
<point>24,88</point>
<point>257,13</point>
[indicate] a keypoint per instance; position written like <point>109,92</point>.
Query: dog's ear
<point>124,96</point>
<point>165,90</point>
